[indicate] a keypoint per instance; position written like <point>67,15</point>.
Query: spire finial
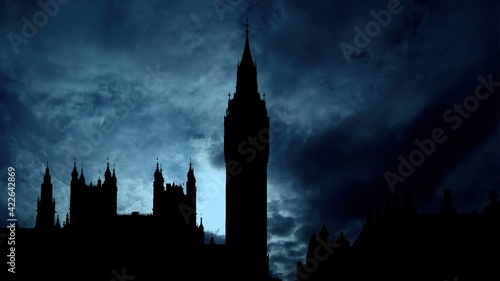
<point>246,27</point>
<point>74,162</point>
<point>190,164</point>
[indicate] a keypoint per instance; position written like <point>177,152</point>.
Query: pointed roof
<point>46,178</point>
<point>190,173</point>
<point>57,225</point>
<point>107,173</point>
<point>74,173</point>
<point>246,80</point>
<point>82,177</point>
<point>201,224</point>
<point>246,58</point>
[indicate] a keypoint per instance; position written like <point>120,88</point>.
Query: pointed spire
<point>107,173</point>
<point>114,175</point>
<point>247,55</point>
<point>247,72</point>
<point>212,241</point>
<point>74,173</point>
<point>99,179</point>
<point>46,177</point>
<point>158,170</point>
<point>58,224</point>
<point>82,177</point>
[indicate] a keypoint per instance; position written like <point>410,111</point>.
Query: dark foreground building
<point>397,243</point>
<point>94,242</point>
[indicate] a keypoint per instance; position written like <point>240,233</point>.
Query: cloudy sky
<point>353,89</point>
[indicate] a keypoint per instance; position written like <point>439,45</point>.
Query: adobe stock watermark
<point>312,263</point>
<point>222,6</point>
<point>279,121</point>
<point>454,117</point>
<point>122,105</point>
<point>29,30</point>
<point>121,276</point>
<point>372,29</point>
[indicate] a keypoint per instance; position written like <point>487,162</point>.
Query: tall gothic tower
<point>46,205</point>
<point>246,153</point>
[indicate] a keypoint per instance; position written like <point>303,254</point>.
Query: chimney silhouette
<point>447,208</point>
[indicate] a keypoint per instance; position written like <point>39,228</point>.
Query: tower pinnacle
<point>246,80</point>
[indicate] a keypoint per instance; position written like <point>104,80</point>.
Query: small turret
<point>342,241</point>
<point>58,224</point>
<point>107,173</point>
<point>82,177</point>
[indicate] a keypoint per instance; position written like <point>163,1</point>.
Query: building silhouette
<point>96,243</point>
<point>246,153</point>
<point>398,243</point>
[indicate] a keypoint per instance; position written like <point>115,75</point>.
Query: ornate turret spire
<point>99,179</point>
<point>58,224</point>
<point>74,173</point>
<point>82,177</point>
<point>247,55</point>
<point>46,205</point>
<point>46,178</point>
<point>247,71</point>
<point>157,171</point>
<point>107,173</point>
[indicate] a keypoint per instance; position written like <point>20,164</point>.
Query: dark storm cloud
<point>159,74</point>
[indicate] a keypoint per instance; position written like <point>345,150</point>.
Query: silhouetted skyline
<point>138,83</point>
